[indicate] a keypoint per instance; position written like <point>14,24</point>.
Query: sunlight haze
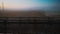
<point>26,4</point>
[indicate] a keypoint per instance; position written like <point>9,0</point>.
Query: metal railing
<point>21,20</point>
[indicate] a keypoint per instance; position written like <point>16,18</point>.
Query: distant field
<point>22,14</point>
<point>18,18</point>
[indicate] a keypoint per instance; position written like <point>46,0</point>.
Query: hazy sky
<point>28,4</point>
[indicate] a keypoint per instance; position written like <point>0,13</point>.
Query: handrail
<point>20,17</point>
<point>19,20</point>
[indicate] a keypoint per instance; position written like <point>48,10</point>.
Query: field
<point>33,22</point>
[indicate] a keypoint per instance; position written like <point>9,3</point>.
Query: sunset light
<point>26,4</point>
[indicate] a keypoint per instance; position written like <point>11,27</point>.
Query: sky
<point>29,4</point>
